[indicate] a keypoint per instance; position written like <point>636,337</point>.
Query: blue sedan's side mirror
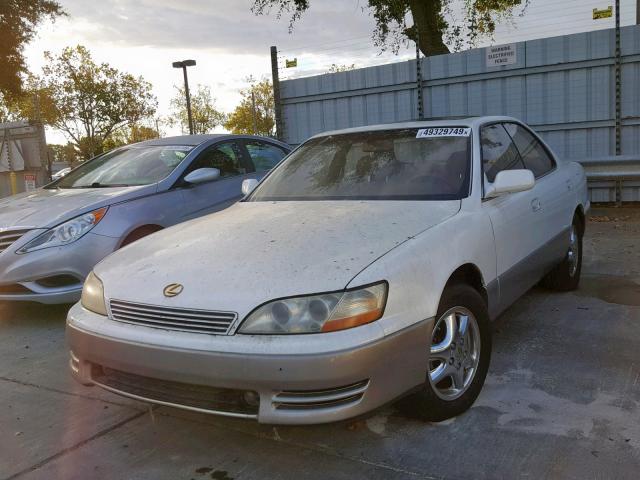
<point>202,175</point>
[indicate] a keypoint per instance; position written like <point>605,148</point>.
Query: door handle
<point>569,185</point>
<point>535,204</point>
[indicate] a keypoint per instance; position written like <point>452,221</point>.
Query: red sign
<point>29,182</point>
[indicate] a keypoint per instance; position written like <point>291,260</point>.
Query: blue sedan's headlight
<point>67,232</point>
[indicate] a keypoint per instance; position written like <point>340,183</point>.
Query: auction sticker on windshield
<point>443,132</point>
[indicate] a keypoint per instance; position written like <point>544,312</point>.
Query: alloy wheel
<point>573,254</point>
<point>455,353</point>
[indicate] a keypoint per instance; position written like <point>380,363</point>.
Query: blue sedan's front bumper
<point>35,276</point>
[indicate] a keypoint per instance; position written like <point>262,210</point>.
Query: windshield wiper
<point>101,185</point>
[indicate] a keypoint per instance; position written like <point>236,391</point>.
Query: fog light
<point>252,398</point>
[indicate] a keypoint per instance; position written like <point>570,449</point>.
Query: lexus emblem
<point>173,290</point>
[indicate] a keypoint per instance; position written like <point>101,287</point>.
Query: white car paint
<point>254,252</point>
<point>309,246</point>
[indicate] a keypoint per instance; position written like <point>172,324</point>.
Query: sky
<point>230,43</point>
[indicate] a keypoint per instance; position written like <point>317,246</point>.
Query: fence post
<point>618,87</point>
<point>618,79</point>
<point>420,100</point>
<point>276,93</point>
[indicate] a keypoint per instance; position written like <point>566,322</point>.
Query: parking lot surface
<point>562,400</point>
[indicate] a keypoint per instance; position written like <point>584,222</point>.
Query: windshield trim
<point>442,197</point>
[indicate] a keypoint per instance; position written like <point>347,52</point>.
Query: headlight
<point>67,232</point>
<point>326,312</point>
<point>93,295</point>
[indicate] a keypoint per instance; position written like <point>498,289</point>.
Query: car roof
<point>431,122</point>
<point>195,140</point>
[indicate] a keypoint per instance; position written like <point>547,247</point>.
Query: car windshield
<point>403,164</point>
<point>128,166</point>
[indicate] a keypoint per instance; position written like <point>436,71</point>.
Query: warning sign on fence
<point>29,182</point>
<point>602,13</point>
<point>499,55</point>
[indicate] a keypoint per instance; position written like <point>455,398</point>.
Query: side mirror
<point>248,185</point>
<point>202,175</point>
<point>511,181</point>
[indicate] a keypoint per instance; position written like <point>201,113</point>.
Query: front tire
<point>566,276</point>
<point>460,352</point>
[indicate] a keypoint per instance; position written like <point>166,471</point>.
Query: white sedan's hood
<point>44,208</point>
<point>253,252</point>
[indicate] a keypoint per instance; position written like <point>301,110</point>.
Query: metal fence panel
<point>564,87</point>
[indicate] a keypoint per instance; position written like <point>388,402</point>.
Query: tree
<point>90,101</point>
<point>18,22</point>
<point>34,103</point>
<point>63,153</point>
<point>430,26</point>
<point>131,134</point>
<point>335,68</point>
<point>203,110</point>
<point>243,120</point>
<point>5,110</point>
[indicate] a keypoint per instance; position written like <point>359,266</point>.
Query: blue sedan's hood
<point>46,208</point>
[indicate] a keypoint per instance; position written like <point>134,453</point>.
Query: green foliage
<point>130,134</point>
<point>18,22</point>
<point>429,27</point>
<point>63,153</point>
<point>34,103</point>
<point>242,119</point>
<point>335,68</point>
<point>90,101</point>
<point>6,112</point>
<point>295,7</point>
<point>205,115</point>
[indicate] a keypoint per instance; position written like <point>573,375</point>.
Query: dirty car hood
<point>253,252</point>
<point>45,208</point>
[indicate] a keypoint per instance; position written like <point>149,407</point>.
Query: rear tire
<point>566,275</point>
<point>454,377</point>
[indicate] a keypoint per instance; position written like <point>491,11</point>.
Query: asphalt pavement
<point>562,400</point>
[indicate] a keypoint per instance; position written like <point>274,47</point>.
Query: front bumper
<point>302,388</point>
<point>20,274</point>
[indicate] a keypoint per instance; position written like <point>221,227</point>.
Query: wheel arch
<point>139,232</point>
<point>471,275</point>
<point>579,213</point>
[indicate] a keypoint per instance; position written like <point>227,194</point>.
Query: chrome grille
<point>169,318</point>
<point>9,237</point>
<point>326,398</point>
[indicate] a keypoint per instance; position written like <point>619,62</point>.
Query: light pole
<point>183,65</point>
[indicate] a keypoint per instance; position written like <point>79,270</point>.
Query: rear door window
<point>498,151</point>
<point>264,155</point>
<point>533,154</point>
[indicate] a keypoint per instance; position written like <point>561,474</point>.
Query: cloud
<point>216,25</point>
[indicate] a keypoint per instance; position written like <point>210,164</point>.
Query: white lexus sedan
<point>365,268</point>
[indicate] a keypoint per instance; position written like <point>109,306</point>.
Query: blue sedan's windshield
<point>402,164</point>
<point>128,166</point>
